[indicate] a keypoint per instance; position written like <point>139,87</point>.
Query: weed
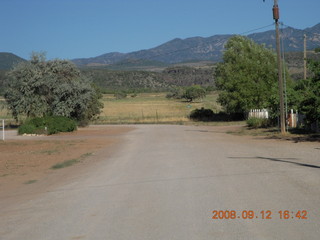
<point>66,163</point>
<point>30,181</point>
<point>48,152</point>
<point>71,162</point>
<point>86,155</point>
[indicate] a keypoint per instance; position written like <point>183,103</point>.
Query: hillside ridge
<point>211,48</point>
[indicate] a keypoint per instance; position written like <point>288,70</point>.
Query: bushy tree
<point>40,88</point>
<point>120,95</point>
<point>194,92</point>
<point>176,93</point>
<point>247,77</point>
<point>309,94</point>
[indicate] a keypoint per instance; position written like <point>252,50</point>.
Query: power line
<point>257,29</point>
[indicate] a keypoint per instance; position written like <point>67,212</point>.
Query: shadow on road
<point>284,160</point>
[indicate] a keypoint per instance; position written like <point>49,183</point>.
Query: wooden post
<point>276,17</point>
<point>3,130</point>
<point>305,57</point>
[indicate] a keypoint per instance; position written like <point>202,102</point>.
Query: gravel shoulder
<point>26,161</point>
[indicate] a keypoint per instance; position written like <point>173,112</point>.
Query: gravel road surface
<point>169,182</point>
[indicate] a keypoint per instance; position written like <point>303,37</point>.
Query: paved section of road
<point>164,182</point>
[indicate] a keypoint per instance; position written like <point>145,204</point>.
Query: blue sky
<point>70,29</point>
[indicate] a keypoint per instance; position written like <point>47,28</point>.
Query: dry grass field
<point>151,108</point>
<point>144,108</point>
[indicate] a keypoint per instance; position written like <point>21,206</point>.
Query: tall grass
<point>151,108</point>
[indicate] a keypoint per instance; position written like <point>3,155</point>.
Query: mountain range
<point>203,48</point>
<point>187,51</point>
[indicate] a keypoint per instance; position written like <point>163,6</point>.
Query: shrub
<point>207,115</point>
<point>258,122</point>
<point>202,114</point>
<point>27,129</point>
<point>194,92</point>
<point>176,93</point>
<point>120,95</point>
<point>48,125</point>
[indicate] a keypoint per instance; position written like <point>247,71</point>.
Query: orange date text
<point>262,214</point>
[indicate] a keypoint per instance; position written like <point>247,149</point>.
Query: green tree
<point>309,93</point>
<point>247,77</point>
<point>176,93</point>
<point>2,81</point>
<point>40,88</point>
<point>194,92</point>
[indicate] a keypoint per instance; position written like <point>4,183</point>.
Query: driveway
<point>178,182</point>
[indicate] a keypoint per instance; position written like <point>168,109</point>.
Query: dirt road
<point>171,182</point>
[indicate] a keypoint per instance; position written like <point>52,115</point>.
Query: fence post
<point>3,130</point>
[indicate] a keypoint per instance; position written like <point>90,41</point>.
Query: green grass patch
<point>31,181</point>
<point>48,151</point>
<point>70,162</point>
<point>258,122</point>
<point>86,155</point>
<point>64,164</point>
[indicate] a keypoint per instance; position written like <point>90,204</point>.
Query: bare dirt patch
<point>28,160</point>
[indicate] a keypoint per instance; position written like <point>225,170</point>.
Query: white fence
<point>258,113</point>
<point>293,119</point>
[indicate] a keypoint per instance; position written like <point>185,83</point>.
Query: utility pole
<point>305,57</point>
<point>276,17</point>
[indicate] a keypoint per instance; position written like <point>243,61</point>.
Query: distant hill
<point>136,64</point>
<point>8,60</point>
<point>295,61</point>
<point>141,81</point>
<point>204,49</point>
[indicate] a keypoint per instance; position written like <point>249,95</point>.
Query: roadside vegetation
<point>47,125</point>
<point>246,79</point>
<point>44,95</point>
<point>70,162</point>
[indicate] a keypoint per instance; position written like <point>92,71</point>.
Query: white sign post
<point>3,129</point>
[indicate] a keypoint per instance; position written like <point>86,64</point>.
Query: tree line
<point>247,78</point>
